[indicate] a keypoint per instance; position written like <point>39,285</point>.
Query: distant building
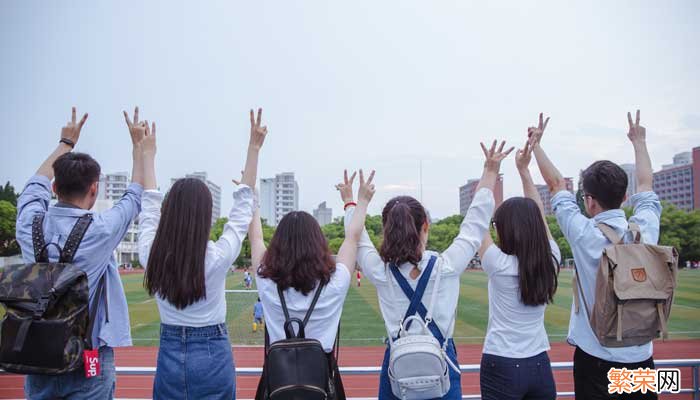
<point>679,183</point>
<point>111,188</point>
<point>631,171</point>
<point>546,195</point>
<point>278,196</point>
<point>213,188</point>
<point>467,192</point>
<point>323,214</point>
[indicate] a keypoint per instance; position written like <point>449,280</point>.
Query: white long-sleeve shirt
<point>219,257</point>
<point>452,262</point>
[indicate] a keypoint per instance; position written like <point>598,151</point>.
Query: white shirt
<point>210,310</point>
<point>452,262</point>
<point>515,330</point>
<point>323,322</point>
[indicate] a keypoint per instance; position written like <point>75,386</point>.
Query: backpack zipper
<point>308,387</point>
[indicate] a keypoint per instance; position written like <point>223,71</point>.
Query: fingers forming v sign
<point>366,187</point>
<point>72,129</point>
<point>137,129</point>
<point>636,132</point>
<point>345,187</point>
<point>535,134</point>
<point>257,131</point>
<point>523,157</point>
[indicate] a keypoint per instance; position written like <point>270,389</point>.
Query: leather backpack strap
<point>636,233</point>
<point>313,303</point>
<point>38,238</point>
<point>580,291</point>
<point>74,238</point>
<point>94,305</point>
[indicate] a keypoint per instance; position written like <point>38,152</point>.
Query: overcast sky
<point>371,84</point>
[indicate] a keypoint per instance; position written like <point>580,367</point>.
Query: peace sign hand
<point>535,134</point>
<point>71,131</point>
<point>345,188</point>
<point>257,132</point>
<point>637,133</point>
<point>494,156</point>
<point>366,187</point>
<point>523,157</point>
<point>137,129</point>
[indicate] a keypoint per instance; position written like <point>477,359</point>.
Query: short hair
<point>606,182</point>
<point>74,173</point>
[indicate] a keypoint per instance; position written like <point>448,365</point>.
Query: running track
<point>356,386</point>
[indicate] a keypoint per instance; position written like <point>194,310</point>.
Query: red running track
<point>356,386</point>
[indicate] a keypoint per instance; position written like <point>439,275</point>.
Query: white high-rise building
<point>278,196</point>
<point>631,171</point>
<point>213,188</point>
<point>111,188</point>
<point>323,214</point>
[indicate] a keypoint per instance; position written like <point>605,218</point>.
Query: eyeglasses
<point>588,195</point>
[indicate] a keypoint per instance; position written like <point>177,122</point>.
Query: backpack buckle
<point>42,304</point>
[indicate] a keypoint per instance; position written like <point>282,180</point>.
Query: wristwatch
<point>68,142</point>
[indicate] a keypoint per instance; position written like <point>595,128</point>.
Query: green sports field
<point>361,322</point>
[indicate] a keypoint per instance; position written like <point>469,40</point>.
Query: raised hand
<point>257,132</point>
<point>637,133</point>
<point>495,156</point>
<point>345,187</point>
<point>366,190</point>
<point>71,132</point>
<point>148,142</point>
<point>535,134</point>
<point>523,157</point>
<point>137,129</point>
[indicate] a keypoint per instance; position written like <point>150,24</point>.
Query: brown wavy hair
<point>298,254</point>
<point>403,218</point>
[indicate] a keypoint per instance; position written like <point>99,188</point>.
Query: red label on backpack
<point>91,359</point>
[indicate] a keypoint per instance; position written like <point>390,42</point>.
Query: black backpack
<point>297,368</point>
<point>46,325</point>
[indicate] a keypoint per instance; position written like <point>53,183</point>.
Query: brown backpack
<point>634,290</point>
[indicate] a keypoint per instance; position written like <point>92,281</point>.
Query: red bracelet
<point>348,204</point>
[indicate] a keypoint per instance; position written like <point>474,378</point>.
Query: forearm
<point>137,166</point>
<point>529,189</point>
<point>46,168</point>
<point>255,236</point>
<point>645,175</point>
<point>149,172</point>
<point>357,224</point>
<point>550,173</point>
<point>250,172</point>
<point>488,179</point>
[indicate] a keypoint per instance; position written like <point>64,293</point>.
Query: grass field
<point>362,325</point>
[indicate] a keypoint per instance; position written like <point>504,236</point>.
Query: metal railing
<point>693,364</point>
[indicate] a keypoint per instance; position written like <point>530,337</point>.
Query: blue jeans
<point>505,378</point>
<point>194,363</point>
<point>74,385</point>
<point>455,392</point>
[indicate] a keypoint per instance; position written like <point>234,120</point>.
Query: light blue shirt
<point>95,255</point>
<point>587,243</point>
<point>258,310</point>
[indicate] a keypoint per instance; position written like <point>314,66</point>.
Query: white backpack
<point>418,365</point>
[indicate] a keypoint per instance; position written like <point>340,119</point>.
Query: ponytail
<point>403,218</point>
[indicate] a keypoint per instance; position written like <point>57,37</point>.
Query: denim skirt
<point>194,363</point>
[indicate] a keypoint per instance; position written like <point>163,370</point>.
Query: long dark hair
<point>522,233</point>
<point>298,254</point>
<point>403,218</point>
<point>175,268</point>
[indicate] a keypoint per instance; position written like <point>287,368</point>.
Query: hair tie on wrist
<point>68,142</point>
<point>348,204</point>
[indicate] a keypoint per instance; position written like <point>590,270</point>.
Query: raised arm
<point>257,243</point>
<point>69,138</point>
<point>347,254</point>
<point>138,131</point>
<point>257,138</point>
<point>522,163</point>
<point>476,223</point>
<point>552,177</point>
<point>638,136</point>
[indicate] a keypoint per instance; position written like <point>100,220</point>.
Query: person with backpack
<point>418,289</point>
<point>522,279</point>
<point>186,273</point>
<point>592,240</point>
<point>44,232</point>
<point>303,289</point>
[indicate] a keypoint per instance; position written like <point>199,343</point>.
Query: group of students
<point>185,271</point>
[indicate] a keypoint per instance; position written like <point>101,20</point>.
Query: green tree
<point>8,215</point>
<point>243,259</point>
<point>7,193</point>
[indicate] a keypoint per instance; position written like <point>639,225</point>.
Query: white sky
<point>349,84</point>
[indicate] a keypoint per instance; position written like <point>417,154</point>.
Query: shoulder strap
<point>313,303</point>
<point>609,233</point>
<point>420,287</point>
<point>38,238</point>
<point>283,303</point>
<point>580,290</point>
<point>636,233</point>
<point>302,324</point>
<point>75,237</point>
<point>99,293</point>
